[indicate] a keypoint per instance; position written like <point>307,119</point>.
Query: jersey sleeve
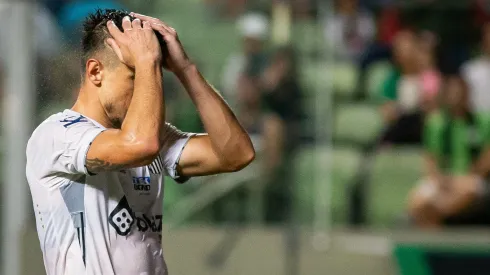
<point>174,144</point>
<point>74,143</point>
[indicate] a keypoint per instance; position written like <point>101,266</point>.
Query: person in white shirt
<point>476,73</point>
<point>350,30</point>
<point>96,171</point>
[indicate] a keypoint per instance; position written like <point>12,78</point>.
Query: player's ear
<point>93,71</point>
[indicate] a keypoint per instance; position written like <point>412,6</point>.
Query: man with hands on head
<point>96,171</point>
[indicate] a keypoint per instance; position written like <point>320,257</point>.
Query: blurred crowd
<point>433,94</point>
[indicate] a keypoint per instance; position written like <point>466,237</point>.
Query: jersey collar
<point>71,112</point>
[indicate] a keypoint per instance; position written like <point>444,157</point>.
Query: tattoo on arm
<point>97,165</point>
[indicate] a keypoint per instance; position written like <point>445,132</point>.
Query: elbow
<point>241,158</point>
<point>148,150</point>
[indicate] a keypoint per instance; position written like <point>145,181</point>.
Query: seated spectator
<point>476,73</point>
<point>350,30</point>
<point>402,92</point>
<point>239,78</point>
<point>282,98</point>
<point>409,93</point>
<point>455,190</point>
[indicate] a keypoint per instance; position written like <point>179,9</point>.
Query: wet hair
<point>95,32</point>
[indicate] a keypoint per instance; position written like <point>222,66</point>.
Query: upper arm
<point>199,159</point>
<point>113,150</point>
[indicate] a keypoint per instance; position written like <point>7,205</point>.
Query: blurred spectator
<point>242,69</point>
<point>350,29</point>
<point>402,94</point>
<point>456,190</point>
<point>409,93</point>
<point>388,26</point>
<point>282,97</point>
<point>477,74</point>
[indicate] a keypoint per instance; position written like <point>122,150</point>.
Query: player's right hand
<point>138,43</point>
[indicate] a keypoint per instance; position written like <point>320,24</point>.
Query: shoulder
<point>59,128</point>
<point>474,65</point>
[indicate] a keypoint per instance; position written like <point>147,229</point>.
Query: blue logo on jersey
<point>72,121</point>
<point>141,183</point>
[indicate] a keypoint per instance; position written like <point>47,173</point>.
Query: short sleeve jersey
<point>109,223</point>
<point>456,143</point>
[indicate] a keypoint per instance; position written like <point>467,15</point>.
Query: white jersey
<point>104,224</point>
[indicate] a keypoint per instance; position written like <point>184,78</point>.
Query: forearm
<point>227,136</point>
<point>146,112</point>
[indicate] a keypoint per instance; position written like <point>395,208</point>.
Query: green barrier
<point>416,259</point>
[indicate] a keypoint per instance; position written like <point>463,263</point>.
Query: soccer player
<point>96,170</point>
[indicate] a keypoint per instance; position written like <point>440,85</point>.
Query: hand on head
<point>177,59</point>
<point>138,43</point>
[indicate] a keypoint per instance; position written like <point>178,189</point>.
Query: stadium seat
<point>344,79</point>
<point>395,172</point>
<point>315,77</point>
<point>340,78</point>
<point>376,75</point>
<point>358,123</point>
<point>307,39</point>
<point>336,168</point>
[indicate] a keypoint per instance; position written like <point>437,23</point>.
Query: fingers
<point>153,20</point>
<point>136,23</point>
<point>167,34</point>
<point>112,43</point>
<point>145,18</point>
<point>146,25</point>
<point>114,30</point>
<point>126,23</point>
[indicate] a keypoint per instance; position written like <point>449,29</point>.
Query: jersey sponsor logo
<point>156,167</point>
<point>152,223</point>
<point>73,120</point>
<point>141,183</point>
<point>122,217</point>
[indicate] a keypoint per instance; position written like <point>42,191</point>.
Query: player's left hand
<point>177,59</point>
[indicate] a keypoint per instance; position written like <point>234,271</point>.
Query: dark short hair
<point>95,31</point>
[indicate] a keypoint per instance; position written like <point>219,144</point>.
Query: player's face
<point>117,92</point>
